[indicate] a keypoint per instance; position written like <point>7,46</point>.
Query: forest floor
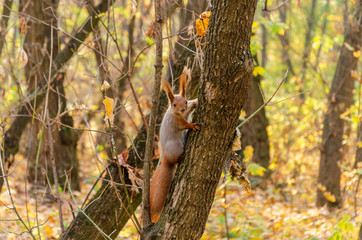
<point>272,213</point>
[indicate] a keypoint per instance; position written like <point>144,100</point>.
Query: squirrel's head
<point>178,103</point>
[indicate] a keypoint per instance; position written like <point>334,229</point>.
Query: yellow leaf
<point>108,103</point>
<point>321,187</point>
<point>49,231</point>
<point>273,166</point>
<point>242,114</point>
<point>329,196</point>
<point>94,107</point>
<point>255,24</point>
<point>105,85</point>
<point>359,144</point>
<point>354,74</point>
<point>248,153</point>
<point>202,26</point>
<point>258,71</point>
<point>345,114</point>
<point>140,90</point>
<point>356,54</point>
<point>281,32</point>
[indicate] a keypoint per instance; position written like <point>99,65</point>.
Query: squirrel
<point>172,139</point>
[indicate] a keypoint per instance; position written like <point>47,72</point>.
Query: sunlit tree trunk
<point>339,100</point>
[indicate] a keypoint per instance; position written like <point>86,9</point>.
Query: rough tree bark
<point>18,125</point>
<point>227,70</point>
<point>105,209</point>
<point>339,100</point>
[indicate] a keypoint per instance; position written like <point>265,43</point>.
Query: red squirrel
<point>172,139</point>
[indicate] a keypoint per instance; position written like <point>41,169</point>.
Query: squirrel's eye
<point>174,104</point>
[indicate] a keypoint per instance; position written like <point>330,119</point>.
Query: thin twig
<point>265,7</point>
<point>296,95</point>
<point>50,139</point>
<point>266,103</point>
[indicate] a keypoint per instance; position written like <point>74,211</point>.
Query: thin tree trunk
<point>14,133</point>
<point>254,132</point>
<point>339,100</point>
<point>149,152</point>
<point>284,40</point>
<point>308,39</point>
<point>227,70</point>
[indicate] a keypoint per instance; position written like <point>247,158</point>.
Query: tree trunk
<point>339,100</point>
<point>284,40</point>
<point>308,40</point>
<point>18,125</point>
<point>40,35</point>
<point>227,70</point>
<point>254,132</point>
<point>105,209</point>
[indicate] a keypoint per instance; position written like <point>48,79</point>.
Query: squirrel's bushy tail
<point>160,186</point>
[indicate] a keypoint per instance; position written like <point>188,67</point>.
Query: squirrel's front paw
<point>195,127</point>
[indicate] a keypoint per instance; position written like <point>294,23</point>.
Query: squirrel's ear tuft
<point>183,85</point>
<point>166,86</point>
